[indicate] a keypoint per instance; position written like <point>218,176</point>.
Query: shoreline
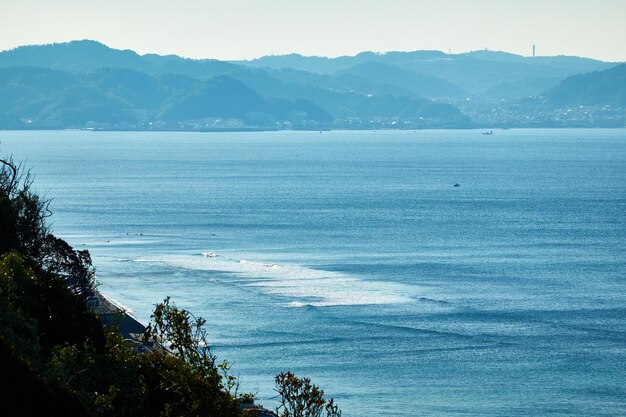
<point>113,314</point>
<point>325,129</point>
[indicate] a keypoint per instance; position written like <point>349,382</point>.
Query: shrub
<point>300,398</point>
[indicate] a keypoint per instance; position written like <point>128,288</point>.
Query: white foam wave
<point>117,303</point>
<point>298,304</point>
<point>305,286</point>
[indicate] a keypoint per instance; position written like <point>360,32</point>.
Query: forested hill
<point>85,84</point>
<point>116,97</point>
<point>478,73</point>
<point>87,55</point>
<point>606,87</point>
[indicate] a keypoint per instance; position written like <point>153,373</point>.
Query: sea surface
<point>352,258</point>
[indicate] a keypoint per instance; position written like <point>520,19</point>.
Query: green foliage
<point>175,388</point>
<point>23,219</point>
<point>191,372</point>
<point>185,335</point>
<point>75,267</point>
<point>108,383</point>
<point>23,212</point>
<point>25,392</point>
<point>300,398</point>
<point>229,381</point>
<point>19,329</point>
<point>39,306</point>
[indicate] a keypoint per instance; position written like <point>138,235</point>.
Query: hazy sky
<point>234,29</point>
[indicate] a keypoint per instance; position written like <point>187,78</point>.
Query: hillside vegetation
<point>85,84</point>
<point>47,98</point>
<point>606,87</point>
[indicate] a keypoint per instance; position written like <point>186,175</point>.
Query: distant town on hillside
<point>87,85</point>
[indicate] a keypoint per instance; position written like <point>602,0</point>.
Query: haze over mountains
<point>475,72</point>
<point>85,84</point>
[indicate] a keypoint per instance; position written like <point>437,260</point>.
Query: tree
<point>300,398</point>
<point>23,217</point>
<point>73,266</point>
<point>190,366</point>
<point>184,335</point>
<point>22,213</point>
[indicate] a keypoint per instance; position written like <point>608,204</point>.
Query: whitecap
<point>298,304</point>
<point>300,284</point>
<point>116,303</point>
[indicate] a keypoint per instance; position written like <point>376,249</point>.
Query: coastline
<point>254,129</point>
<point>113,314</point>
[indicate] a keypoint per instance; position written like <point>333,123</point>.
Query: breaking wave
<point>303,286</point>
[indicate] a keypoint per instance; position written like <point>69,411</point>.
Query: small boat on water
<point>489,133</point>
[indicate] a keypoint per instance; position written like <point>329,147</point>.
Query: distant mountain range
<point>475,72</point>
<point>46,98</point>
<point>85,84</point>
<point>86,56</point>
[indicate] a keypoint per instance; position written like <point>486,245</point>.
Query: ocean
<point>352,258</point>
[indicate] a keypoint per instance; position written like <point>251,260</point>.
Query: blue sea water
<point>351,258</point>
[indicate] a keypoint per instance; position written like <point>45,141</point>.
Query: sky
<point>245,29</point>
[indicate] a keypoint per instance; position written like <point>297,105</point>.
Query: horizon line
<point>244,59</point>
